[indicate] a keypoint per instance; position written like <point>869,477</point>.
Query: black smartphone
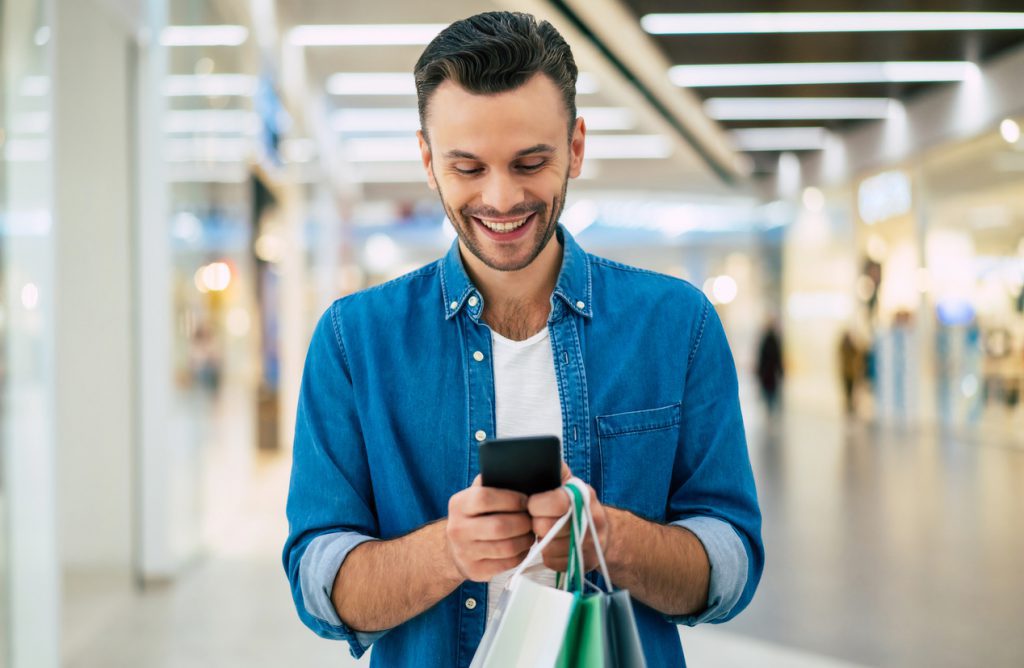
<point>529,465</point>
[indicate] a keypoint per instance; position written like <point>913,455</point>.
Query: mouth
<point>505,229</point>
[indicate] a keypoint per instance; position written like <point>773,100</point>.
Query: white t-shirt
<point>526,404</point>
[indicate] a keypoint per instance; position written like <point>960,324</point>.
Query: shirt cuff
<point>317,571</point>
<point>728,560</point>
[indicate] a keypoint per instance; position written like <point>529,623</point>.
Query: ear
<point>576,146</point>
<point>427,159</point>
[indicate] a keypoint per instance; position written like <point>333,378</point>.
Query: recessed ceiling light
<point>779,139</point>
<point>773,74</point>
<point>798,108</point>
<point>223,35</point>
<point>1010,130</point>
<point>365,35</point>
<point>800,22</point>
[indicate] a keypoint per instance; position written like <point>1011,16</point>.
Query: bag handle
<point>538,547</point>
<point>587,524</point>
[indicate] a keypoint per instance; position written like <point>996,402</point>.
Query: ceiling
<point>841,47</point>
<point>626,65</point>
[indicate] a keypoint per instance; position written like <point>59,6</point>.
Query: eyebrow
<point>456,154</point>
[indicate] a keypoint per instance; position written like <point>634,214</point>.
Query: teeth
<point>503,227</point>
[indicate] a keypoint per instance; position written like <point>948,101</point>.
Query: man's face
<point>501,164</point>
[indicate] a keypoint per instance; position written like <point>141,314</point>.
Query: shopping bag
<point>530,620</point>
<point>602,631</point>
<point>627,652</point>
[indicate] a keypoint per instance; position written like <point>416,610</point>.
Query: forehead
<point>494,124</point>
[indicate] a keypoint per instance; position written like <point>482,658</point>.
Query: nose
<point>502,192</point>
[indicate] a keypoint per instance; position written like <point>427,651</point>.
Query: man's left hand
<point>547,507</point>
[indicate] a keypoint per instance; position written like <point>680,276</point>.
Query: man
<point>393,540</point>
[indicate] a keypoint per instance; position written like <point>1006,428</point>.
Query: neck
<point>517,302</point>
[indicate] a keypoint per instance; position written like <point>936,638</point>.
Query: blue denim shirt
<point>393,403</point>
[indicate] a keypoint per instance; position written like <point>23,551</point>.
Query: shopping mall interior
<point>187,185</point>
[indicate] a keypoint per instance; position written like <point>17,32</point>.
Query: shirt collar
<point>573,287</point>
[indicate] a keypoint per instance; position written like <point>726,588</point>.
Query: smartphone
<point>529,465</point>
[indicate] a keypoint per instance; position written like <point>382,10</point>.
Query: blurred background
<point>186,185</point>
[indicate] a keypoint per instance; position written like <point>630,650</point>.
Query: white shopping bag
<point>528,625</point>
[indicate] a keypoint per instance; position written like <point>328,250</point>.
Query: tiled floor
<point>884,549</point>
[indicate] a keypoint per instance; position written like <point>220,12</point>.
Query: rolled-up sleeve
<point>712,488</point>
<point>330,500</point>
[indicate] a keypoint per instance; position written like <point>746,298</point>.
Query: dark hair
<point>495,52</point>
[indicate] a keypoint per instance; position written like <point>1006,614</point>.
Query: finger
<point>554,503</point>
<point>484,500</point>
<point>542,525</point>
<point>558,548</point>
<point>478,481</point>
<point>566,473</point>
<point>502,549</point>
<point>500,526</point>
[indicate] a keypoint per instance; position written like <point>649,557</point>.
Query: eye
<point>467,171</point>
<point>532,166</point>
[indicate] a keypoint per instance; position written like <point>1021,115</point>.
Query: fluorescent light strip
<point>797,108</point>
<point>403,83</point>
<point>35,86</point>
<point>211,121</point>
<point>779,139</point>
<point>208,149</point>
<point>775,74</point>
<point>209,85</point>
<point>801,22</point>
<point>223,35</point>
<point>367,120</point>
<point>599,147</point>
<point>365,35</point>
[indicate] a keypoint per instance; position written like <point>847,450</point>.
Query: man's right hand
<point>488,531</point>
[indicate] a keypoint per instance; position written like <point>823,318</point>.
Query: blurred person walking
<point>769,365</point>
<point>851,370</point>
<point>393,541</point>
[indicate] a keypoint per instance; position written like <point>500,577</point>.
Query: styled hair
<point>495,52</point>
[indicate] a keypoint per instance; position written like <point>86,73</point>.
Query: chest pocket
<point>637,451</point>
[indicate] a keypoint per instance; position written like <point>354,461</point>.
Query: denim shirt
<point>395,400</point>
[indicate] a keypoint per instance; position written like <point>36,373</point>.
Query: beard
<point>544,227</point>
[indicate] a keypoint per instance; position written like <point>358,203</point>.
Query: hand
<point>547,507</point>
<point>488,531</point>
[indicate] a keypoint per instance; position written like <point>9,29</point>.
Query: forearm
<point>665,567</point>
<point>384,583</point>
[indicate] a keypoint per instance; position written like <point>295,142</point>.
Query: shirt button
<point>478,356</point>
<point>470,603</point>
<point>473,301</point>
<point>580,305</point>
<point>480,435</point>
<point>453,305</point>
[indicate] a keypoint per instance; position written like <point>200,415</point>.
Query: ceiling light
<point>628,147</point>
<point>772,74</point>
<point>209,85</point>
<point>211,121</point>
<point>403,83</point>
<point>784,108</point>
<point>1010,130</point>
<point>371,83</point>
<point>779,139</point>
<point>224,35</point>
<point>599,147</point>
<point>798,22</point>
<point>367,120</point>
<point>365,35</point>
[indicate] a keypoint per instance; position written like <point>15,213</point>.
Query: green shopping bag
<point>602,630</point>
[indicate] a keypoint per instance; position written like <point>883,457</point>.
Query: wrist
<point>615,547</point>
<point>449,568</point>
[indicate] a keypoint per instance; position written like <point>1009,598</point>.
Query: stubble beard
<point>465,228</point>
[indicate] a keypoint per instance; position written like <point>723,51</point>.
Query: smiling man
<point>516,331</point>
